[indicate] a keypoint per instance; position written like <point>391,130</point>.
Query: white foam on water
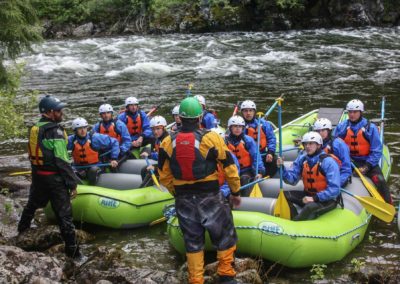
<point>385,76</point>
<point>351,78</point>
<point>48,64</point>
<point>149,68</point>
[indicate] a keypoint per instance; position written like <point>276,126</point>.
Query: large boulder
<point>9,216</point>
<point>85,30</point>
<point>19,266</point>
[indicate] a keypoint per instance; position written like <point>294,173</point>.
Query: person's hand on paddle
<point>150,168</point>
<point>114,164</point>
<point>235,201</point>
<point>307,199</point>
<point>138,142</point>
<point>269,158</point>
<point>279,162</point>
<point>73,193</point>
<point>144,155</point>
<point>364,169</point>
<point>259,176</point>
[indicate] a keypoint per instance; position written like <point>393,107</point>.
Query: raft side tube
<point>119,181</point>
<point>134,166</point>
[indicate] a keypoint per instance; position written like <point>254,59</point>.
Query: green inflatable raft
<point>117,201</point>
<point>327,239</point>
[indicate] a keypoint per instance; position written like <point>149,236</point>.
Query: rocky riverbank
<point>195,16</point>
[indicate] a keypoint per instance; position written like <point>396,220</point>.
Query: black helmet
<point>49,103</point>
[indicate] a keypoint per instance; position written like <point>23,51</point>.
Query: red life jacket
<point>110,131</point>
<point>314,179</point>
<point>252,132</point>
<point>134,126</point>
<point>84,154</point>
<point>358,144</point>
<point>187,162</point>
<point>241,153</point>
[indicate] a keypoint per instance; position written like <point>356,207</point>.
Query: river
<point>316,68</point>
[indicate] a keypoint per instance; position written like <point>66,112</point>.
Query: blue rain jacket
<point>146,130</point>
<point>329,167</point>
<point>121,129</point>
<point>371,134</point>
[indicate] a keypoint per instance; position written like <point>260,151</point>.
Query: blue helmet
<point>49,103</point>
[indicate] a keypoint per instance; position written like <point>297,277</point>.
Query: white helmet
<point>131,101</point>
<point>219,131</point>
<point>355,105</point>
<point>105,108</point>
<point>322,123</point>
<point>78,123</point>
<point>312,136</point>
<point>158,120</point>
<point>201,99</point>
<point>248,104</point>
<point>175,110</point>
<point>236,120</point>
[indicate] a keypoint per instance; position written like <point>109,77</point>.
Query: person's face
<point>158,131</point>
<point>81,131</point>
<point>311,147</point>
<point>354,115</point>
<point>177,119</point>
<point>324,133</point>
<point>133,108</point>
<point>236,129</point>
<point>56,115</point>
<point>106,116</point>
<point>248,113</point>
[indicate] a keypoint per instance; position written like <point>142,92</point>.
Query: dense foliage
<point>19,29</point>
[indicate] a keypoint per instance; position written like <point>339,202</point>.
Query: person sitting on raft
<point>267,136</point>
<point>158,127</point>
<point>365,145</point>
<point>86,149</point>
<point>321,178</point>
<point>178,122</point>
<point>113,128</point>
<point>137,122</point>
<point>335,146</point>
<point>245,150</point>
<point>209,120</point>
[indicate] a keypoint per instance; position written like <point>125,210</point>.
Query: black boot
<point>73,251</point>
<point>227,280</point>
<point>25,221</point>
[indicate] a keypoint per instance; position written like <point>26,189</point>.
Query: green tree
<point>18,31</point>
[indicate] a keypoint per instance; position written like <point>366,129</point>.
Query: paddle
<point>154,108</point>
<point>370,187</point>
<point>235,110</point>
<point>189,90</point>
<point>379,209</point>
<point>273,107</point>
<point>382,126</point>
<point>256,182</point>
<point>256,192</point>
<point>282,207</point>
<point>76,167</point>
<point>153,176</point>
<point>20,173</point>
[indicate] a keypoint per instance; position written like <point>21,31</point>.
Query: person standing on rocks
<point>52,176</point>
<point>187,165</point>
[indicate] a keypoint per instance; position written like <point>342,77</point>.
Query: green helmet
<point>190,108</point>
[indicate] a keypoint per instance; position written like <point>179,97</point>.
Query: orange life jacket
<point>134,126</point>
<point>314,179</point>
<point>187,162</point>
<point>241,153</point>
<point>84,154</point>
<point>252,132</point>
<point>110,131</point>
<point>358,144</point>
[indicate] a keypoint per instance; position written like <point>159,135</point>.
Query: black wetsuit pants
<point>310,210</point>
<point>51,188</point>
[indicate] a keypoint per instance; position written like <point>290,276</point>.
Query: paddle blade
<point>282,209</point>
<point>153,176</point>
<point>158,221</point>
<point>379,209</point>
<point>20,173</point>
<point>256,192</point>
<point>370,187</point>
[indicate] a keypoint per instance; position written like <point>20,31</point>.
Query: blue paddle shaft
<point>280,143</point>
<point>148,164</point>
<point>258,143</point>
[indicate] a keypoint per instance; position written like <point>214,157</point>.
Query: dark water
<point>320,68</point>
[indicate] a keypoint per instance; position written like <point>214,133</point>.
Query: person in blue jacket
<point>335,146</point>
<point>209,120</point>
<point>137,122</point>
<point>87,147</point>
<point>245,150</point>
<point>267,136</point>
<point>113,128</point>
<point>366,148</point>
<point>321,178</point>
